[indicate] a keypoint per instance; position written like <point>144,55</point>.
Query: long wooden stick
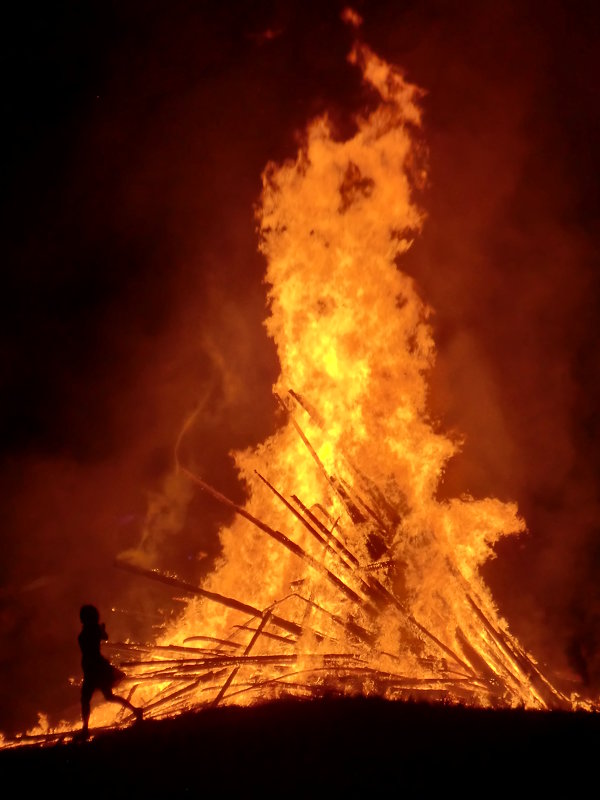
<point>285,541</point>
<point>234,671</point>
<point>365,588</point>
<point>226,642</point>
<point>326,532</point>
<point>276,636</point>
<point>229,602</point>
<point>546,692</point>
<point>368,484</point>
<point>302,519</point>
<point>351,627</point>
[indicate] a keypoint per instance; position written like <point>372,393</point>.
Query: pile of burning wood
<point>282,650</point>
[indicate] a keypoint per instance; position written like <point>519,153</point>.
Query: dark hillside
<point>338,747</point>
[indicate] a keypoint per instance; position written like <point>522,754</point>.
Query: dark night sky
<point>134,136</point>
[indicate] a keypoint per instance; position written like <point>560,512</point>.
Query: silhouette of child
<point>98,672</point>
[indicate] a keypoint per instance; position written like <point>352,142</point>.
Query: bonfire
<point>343,574</point>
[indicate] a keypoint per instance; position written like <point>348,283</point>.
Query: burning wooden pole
<point>369,486</point>
<point>173,696</point>
<point>366,589</point>
<point>305,522</point>
<point>287,543</point>
<point>234,671</point>
<point>353,628</point>
<point>540,685</point>
<point>229,602</point>
<point>224,642</point>
<point>329,535</point>
<point>353,512</point>
<point>275,636</point>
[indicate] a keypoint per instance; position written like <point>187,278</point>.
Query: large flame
<point>358,449</point>
<point>343,572</point>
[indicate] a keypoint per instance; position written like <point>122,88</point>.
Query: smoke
<point>133,296</point>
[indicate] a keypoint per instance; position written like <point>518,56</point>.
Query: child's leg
<point>115,698</point>
<point>86,696</point>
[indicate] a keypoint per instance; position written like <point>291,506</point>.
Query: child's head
<point>89,615</point>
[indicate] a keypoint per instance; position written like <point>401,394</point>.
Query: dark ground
<point>334,747</point>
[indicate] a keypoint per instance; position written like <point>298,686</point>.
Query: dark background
<point>133,139</point>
